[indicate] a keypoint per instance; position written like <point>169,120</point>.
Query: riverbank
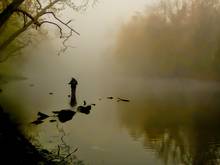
<point>16,149</point>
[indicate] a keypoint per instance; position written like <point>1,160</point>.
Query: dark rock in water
<point>1,90</point>
<point>37,122</point>
<point>51,93</point>
<point>125,100</point>
<point>110,97</point>
<point>84,102</point>
<point>64,115</point>
<point>84,109</point>
<point>69,95</point>
<point>40,119</point>
<point>42,116</point>
<point>53,121</point>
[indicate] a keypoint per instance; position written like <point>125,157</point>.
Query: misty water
<point>167,121</point>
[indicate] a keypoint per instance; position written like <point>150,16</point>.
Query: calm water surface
<point>167,121</point>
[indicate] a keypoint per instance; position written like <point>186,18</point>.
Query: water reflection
<point>65,115</point>
<point>181,126</point>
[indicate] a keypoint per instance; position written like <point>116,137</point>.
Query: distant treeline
<point>174,38</point>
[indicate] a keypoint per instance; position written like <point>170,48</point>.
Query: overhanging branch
<point>28,15</point>
<point>40,5</point>
<point>66,24</point>
<point>49,22</point>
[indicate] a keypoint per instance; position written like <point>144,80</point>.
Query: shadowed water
<point>180,121</point>
<point>167,121</point>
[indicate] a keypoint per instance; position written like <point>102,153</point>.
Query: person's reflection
<point>73,84</point>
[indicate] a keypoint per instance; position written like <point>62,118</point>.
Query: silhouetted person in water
<point>73,84</point>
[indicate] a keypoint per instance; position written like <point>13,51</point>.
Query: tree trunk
<point>5,44</point>
<point>5,15</point>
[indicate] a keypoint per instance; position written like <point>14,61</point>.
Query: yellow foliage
<point>177,38</point>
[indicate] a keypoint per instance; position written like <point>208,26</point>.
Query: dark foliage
<point>15,148</point>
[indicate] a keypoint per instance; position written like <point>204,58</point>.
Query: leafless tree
<point>38,17</point>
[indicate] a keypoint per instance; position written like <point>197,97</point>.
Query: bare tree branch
<point>38,24</point>
<point>65,47</point>
<point>40,5</point>
<point>66,24</point>
<point>20,31</point>
<point>29,20</point>
<point>28,15</point>
<point>61,31</point>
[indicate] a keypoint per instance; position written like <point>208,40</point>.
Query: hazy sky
<point>98,27</point>
<point>100,22</point>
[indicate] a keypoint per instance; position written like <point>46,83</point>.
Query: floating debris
<point>125,100</point>
<point>53,121</point>
<point>69,96</point>
<point>51,93</point>
<point>40,119</point>
<point>110,97</point>
<point>37,122</point>
<point>1,90</point>
<point>84,109</point>
<point>84,102</point>
<point>64,115</point>
<point>42,116</point>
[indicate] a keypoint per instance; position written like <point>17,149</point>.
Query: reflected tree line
<point>182,129</point>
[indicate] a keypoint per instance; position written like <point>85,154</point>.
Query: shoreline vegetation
<point>174,38</point>
<point>18,150</point>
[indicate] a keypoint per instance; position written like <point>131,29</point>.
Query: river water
<point>167,121</point>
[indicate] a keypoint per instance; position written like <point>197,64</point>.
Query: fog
<point>174,38</point>
<point>172,118</point>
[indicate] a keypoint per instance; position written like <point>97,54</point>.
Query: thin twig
<point>58,152</point>
<point>28,15</point>
<point>66,24</point>
<point>40,6</point>
<point>64,43</point>
<point>60,29</point>
<point>69,154</point>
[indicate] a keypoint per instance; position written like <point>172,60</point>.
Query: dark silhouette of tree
<point>5,15</point>
<point>37,15</point>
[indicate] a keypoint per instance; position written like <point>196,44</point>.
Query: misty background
<point>172,38</point>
